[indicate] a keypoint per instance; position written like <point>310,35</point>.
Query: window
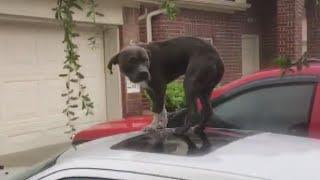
<point>304,34</point>
<point>281,109</point>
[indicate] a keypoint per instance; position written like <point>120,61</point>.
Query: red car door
<point>314,128</point>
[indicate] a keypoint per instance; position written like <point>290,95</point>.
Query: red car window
<point>280,109</point>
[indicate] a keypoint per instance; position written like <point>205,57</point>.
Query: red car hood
<point>110,128</point>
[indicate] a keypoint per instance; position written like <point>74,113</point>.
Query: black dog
<point>156,64</point>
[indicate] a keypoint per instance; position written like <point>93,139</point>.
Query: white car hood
<point>270,156</point>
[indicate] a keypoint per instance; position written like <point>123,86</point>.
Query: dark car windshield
<point>186,145</point>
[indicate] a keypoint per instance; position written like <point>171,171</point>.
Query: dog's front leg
<point>160,115</point>
<point>161,119</point>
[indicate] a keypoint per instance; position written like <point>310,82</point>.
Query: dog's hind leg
<point>190,94</point>
<point>206,112</point>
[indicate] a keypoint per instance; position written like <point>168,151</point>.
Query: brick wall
<point>289,27</point>
<point>224,29</point>
<point>277,22</point>
<point>313,32</point>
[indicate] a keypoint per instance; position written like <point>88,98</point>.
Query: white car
<point>218,155</point>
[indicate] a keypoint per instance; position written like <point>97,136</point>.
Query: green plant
<point>170,8</point>
<point>175,97</point>
<point>286,64</point>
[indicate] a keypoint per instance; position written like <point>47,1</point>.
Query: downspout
<point>148,17</point>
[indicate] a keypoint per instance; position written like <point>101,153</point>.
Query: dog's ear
<point>113,61</point>
<point>141,44</point>
<point>145,46</point>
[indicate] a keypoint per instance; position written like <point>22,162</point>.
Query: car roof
<point>260,155</point>
<point>312,70</point>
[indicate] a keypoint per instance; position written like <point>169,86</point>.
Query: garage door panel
<point>20,100</point>
<point>19,49</point>
<point>53,121</point>
<point>3,48</point>
<point>50,91</point>
<point>31,59</point>
<point>49,51</point>
<point>94,88</point>
<point>16,74</point>
<point>88,57</point>
<point>33,125</point>
<point>21,52</point>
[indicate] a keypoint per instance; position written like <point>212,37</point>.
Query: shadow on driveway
<point>33,156</point>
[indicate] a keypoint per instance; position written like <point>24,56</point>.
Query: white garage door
<point>31,57</point>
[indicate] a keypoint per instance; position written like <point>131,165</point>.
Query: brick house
<point>248,34</point>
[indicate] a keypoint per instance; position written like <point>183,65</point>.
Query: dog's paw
<point>157,133</point>
<point>150,128</point>
<point>153,128</point>
<point>198,129</point>
<point>158,122</point>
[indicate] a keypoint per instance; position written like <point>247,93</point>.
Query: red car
<point>262,101</point>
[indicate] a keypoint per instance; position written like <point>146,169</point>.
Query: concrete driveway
<point>17,162</point>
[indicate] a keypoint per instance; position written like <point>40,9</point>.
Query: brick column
<point>132,102</point>
<point>289,27</point>
<point>313,31</point>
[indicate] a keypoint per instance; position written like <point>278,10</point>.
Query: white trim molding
<point>208,5</point>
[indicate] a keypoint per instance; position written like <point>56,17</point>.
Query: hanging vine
<point>92,13</point>
<point>75,90</point>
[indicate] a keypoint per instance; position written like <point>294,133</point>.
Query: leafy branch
<point>75,91</point>
<point>92,13</point>
<point>286,64</point>
<point>170,7</point>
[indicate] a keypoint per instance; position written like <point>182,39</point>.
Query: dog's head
<point>134,62</point>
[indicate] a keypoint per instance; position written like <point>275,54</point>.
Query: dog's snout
<point>143,75</point>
